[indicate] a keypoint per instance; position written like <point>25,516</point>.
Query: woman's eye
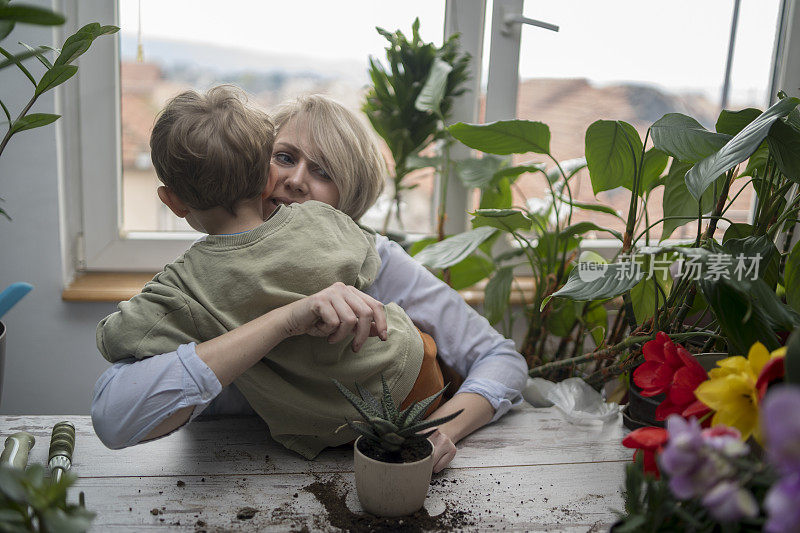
<point>282,157</point>
<point>321,172</point>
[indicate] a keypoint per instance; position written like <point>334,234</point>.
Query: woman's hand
<point>443,450</point>
<point>336,312</point>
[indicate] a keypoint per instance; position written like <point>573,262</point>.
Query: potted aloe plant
<point>393,458</point>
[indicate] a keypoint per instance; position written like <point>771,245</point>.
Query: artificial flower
<point>780,418</point>
<point>729,502</point>
<point>669,368</point>
<point>697,460</point>
<point>782,503</point>
<point>647,441</point>
<point>661,360</point>
<point>731,390</point>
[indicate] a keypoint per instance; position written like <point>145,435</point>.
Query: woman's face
<point>296,177</point>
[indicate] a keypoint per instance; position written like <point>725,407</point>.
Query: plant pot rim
<point>370,459</point>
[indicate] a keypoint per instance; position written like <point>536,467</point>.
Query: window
<point>635,61</point>
<point>166,47</point>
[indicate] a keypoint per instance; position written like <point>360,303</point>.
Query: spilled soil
<point>332,497</point>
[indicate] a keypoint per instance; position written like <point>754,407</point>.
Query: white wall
<point>51,359</point>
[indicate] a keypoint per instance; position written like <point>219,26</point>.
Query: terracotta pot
<point>392,489</point>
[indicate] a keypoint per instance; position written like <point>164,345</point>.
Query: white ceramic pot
<point>391,489</point>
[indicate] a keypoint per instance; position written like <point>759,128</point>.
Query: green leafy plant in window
<point>695,167</point>
<point>410,98</point>
<point>56,71</point>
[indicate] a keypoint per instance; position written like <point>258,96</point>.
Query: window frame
<point>96,240</point>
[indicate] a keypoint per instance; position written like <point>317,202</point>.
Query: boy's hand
<point>336,312</point>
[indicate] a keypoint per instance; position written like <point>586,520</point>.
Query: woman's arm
<point>177,386</point>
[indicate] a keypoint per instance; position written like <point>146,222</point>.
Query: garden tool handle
<point>62,444</point>
<point>15,453</point>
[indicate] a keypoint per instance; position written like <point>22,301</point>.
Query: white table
<point>531,471</point>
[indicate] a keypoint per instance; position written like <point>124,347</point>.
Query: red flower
<point>648,441</point>
<point>773,371</point>
<point>661,360</point>
<point>670,369</point>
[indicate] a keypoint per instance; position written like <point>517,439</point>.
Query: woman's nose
<point>296,181</point>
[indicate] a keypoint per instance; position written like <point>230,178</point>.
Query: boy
<point>212,154</point>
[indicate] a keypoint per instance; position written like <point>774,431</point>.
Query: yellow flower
<point>731,390</point>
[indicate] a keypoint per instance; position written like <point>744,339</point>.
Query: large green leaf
<point>684,138</point>
<point>643,295</point>
<point>732,122</point>
<point>791,278</point>
<point>613,151</point>
<point>579,228</point>
<point>478,173</point>
<point>454,249</point>
<point>784,145</point>
<point>505,219</point>
<point>80,41</point>
<point>6,27</point>
<point>497,195</point>
<point>29,14</point>
<point>497,294</point>
<point>792,361</point>
<point>470,271</point>
<point>742,323</point>
<point>504,137</point>
<point>757,162</point>
<point>562,317</point>
<point>514,172</point>
<point>34,120</point>
<point>739,148</point>
<point>600,208</point>
<point>678,202</point>
<point>655,161</point>
<point>430,97</point>
<point>54,77</point>
<point>594,281</point>
<point>596,320</point>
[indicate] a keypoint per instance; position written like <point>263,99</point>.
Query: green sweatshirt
<point>227,280</point>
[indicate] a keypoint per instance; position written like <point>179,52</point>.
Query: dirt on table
<point>332,497</point>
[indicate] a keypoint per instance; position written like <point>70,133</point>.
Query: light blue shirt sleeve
<point>132,397</point>
<point>464,339</point>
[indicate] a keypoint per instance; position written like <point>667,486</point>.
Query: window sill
<point>119,286</point>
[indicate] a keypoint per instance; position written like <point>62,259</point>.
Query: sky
<point>675,44</point>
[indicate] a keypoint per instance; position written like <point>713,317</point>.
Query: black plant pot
<point>641,410</point>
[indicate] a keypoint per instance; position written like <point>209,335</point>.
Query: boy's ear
<point>171,200</point>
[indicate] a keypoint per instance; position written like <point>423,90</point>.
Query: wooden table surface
<point>530,471</point>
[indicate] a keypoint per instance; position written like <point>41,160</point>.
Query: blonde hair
<point>343,145</point>
<point>212,149</point>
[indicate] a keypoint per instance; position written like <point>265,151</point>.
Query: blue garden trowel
<point>13,294</point>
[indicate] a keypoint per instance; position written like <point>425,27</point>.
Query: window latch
<point>516,18</point>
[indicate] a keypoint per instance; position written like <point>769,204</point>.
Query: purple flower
<point>690,469</point>
<point>783,505</point>
<point>781,427</point>
<point>729,502</point>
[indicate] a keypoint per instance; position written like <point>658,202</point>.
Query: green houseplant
<point>393,458</point>
<point>695,168</point>
<point>410,98</point>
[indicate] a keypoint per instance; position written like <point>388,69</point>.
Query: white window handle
<point>516,18</point>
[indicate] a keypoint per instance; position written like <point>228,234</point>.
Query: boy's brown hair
<point>212,149</point>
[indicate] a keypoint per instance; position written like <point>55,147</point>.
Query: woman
<point>322,152</point>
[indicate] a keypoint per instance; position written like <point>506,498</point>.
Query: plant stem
<point>9,133</point>
<point>611,351</point>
